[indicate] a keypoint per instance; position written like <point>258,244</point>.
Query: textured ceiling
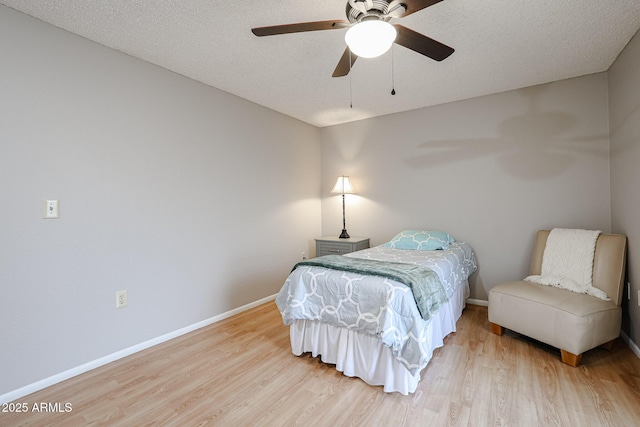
<point>500,45</point>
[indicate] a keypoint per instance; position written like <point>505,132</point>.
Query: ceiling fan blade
<point>422,44</point>
<point>343,67</point>
<point>414,6</point>
<point>300,27</point>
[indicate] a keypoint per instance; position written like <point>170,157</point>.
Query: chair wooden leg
<point>570,358</point>
<point>496,329</point>
<point>608,345</point>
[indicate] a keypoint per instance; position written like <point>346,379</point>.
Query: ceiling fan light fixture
<point>371,38</point>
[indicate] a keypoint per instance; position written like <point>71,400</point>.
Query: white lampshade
<point>343,186</point>
<point>369,39</point>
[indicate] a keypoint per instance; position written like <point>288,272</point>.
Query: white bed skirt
<point>362,355</point>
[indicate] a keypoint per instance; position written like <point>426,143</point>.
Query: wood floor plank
<point>240,371</point>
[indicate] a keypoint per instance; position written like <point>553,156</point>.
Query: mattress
<point>377,309</point>
<point>364,356</point>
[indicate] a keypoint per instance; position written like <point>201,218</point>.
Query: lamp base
<point>344,234</point>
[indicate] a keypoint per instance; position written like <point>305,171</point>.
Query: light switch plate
<point>51,209</point>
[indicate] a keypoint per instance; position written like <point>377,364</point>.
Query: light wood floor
<point>240,372</point>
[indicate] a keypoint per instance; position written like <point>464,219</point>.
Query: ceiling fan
<point>375,14</point>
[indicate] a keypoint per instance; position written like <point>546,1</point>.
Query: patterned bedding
<point>453,266</point>
<point>375,305</point>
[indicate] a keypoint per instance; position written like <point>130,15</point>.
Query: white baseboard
<point>54,379</point>
<point>633,346</point>
<point>481,302</point>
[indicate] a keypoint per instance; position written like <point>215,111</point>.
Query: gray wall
<point>490,171</point>
<point>624,117</point>
<point>195,201</point>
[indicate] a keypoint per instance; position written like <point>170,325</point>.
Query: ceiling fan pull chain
<point>393,75</point>
<point>350,85</point>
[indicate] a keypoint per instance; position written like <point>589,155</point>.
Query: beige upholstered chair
<point>572,322</point>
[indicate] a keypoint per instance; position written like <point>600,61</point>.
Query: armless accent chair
<point>570,321</point>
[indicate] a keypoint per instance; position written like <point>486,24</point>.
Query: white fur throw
<point>567,261</point>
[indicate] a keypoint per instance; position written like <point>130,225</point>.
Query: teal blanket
<point>424,283</point>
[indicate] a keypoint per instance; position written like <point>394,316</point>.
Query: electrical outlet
<point>122,299</point>
<point>304,255</point>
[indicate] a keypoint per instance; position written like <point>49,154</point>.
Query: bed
<point>368,324</point>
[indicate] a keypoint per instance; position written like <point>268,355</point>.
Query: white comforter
<point>375,305</point>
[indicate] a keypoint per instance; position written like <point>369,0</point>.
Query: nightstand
<point>338,246</point>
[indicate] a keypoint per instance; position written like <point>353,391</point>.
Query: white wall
<point>624,99</point>
<point>195,201</point>
<point>490,170</point>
